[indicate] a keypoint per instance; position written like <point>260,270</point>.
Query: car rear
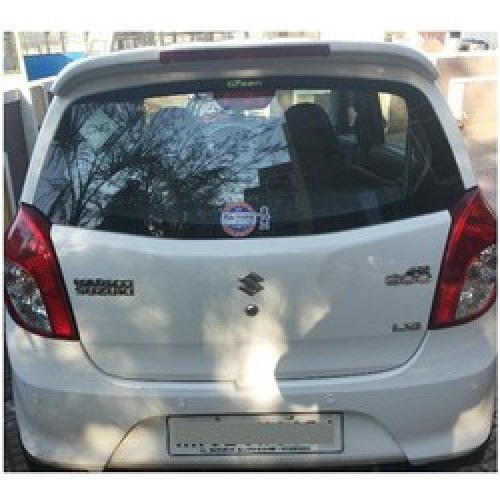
<point>257,255</point>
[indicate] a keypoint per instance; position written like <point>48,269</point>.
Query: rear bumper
<point>438,405</point>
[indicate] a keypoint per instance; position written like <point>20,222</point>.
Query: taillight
<point>35,294</point>
<point>467,284</point>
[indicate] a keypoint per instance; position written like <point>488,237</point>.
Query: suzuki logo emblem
<point>250,284</point>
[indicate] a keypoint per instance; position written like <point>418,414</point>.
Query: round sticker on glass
<point>238,219</point>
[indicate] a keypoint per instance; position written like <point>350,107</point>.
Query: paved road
<point>484,159</point>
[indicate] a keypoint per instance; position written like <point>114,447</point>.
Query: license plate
<point>262,434</point>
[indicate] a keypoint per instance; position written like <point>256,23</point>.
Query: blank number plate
<point>268,434</point>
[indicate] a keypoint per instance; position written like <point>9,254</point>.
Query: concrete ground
<point>484,160</point>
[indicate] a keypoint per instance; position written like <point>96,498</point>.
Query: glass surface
<point>247,158</point>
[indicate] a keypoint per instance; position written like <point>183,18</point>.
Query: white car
<point>301,276</point>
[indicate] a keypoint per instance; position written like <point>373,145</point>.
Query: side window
<point>395,116</point>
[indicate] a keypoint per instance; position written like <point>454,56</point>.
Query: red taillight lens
<point>34,289</point>
<point>266,52</point>
<point>467,284</point>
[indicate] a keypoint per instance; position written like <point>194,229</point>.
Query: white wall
<point>350,34</point>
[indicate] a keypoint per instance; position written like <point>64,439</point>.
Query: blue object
<point>45,65</point>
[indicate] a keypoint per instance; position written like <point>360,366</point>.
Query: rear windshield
<point>247,158</point>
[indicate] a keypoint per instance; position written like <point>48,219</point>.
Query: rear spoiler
<point>180,57</point>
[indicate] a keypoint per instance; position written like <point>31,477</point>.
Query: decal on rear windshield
<point>238,219</point>
<point>264,219</point>
<point>244,84</point>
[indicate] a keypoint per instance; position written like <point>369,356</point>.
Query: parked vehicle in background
<point>255,255</point>
<point>473,44</point>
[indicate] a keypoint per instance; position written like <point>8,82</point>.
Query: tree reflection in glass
<point>160,174</point>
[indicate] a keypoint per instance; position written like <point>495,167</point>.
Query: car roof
<point>148,59</point>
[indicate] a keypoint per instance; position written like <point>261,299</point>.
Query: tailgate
<point>325,308</point>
